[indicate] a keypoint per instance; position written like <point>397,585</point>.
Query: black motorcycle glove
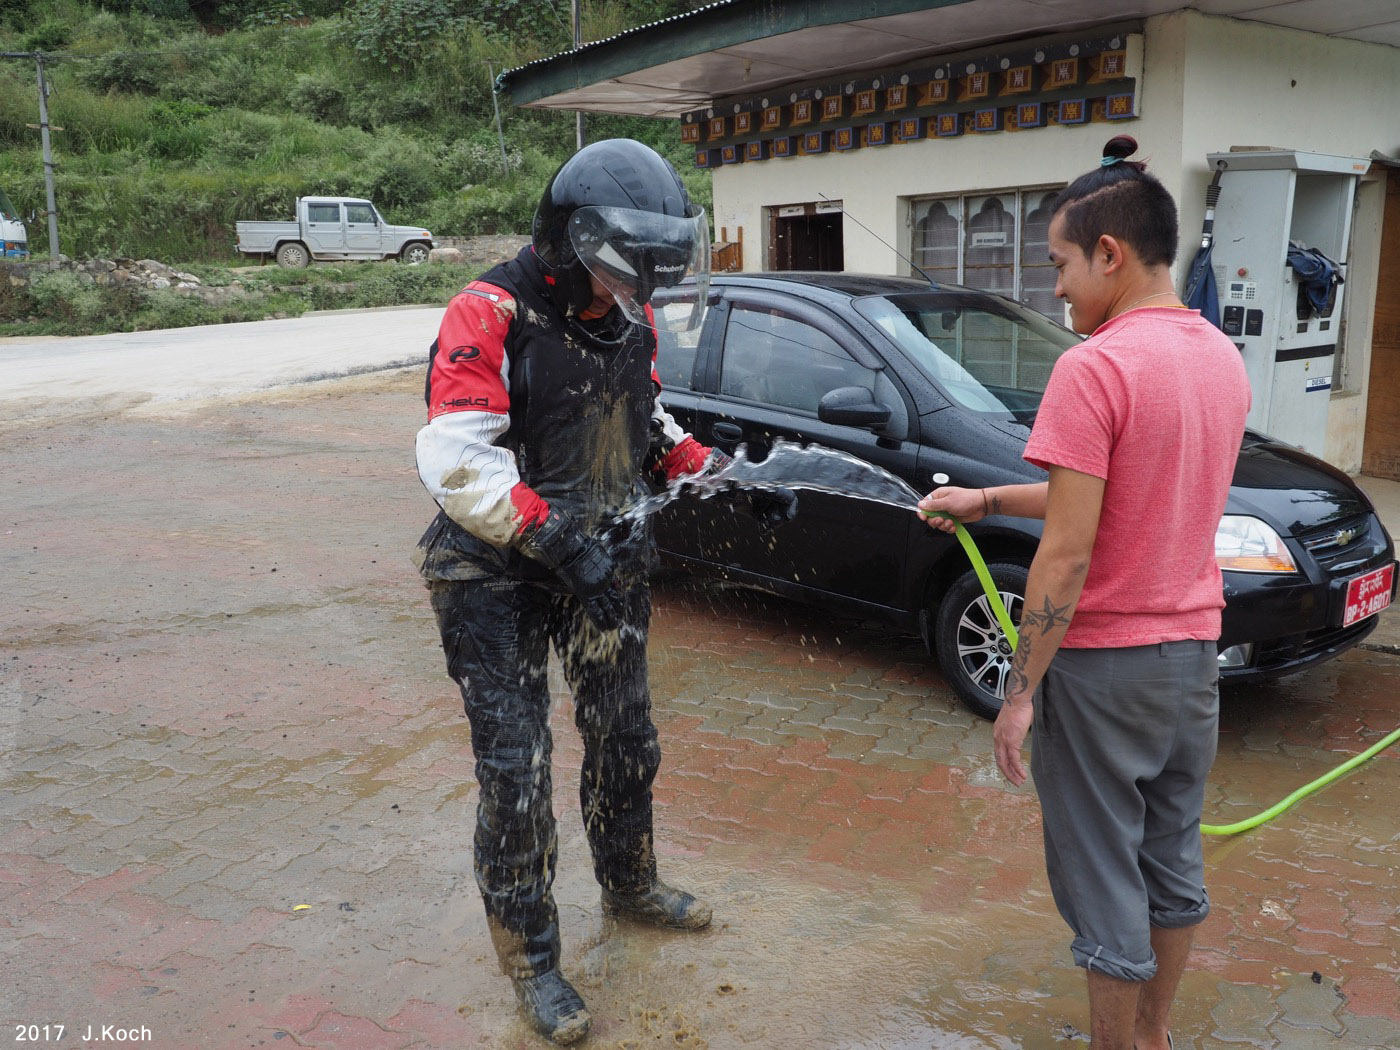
<point>582,563</point>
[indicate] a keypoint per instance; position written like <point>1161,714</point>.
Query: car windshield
<point>7,210</point>
<point>988,354</point>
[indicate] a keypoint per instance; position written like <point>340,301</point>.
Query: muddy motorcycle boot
<point>555,1010</point>
<point>659,905</point>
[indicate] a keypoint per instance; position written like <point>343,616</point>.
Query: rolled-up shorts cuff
<point>1098,959</point>
<point>1178,919</point>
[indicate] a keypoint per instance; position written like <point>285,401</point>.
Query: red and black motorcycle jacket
<point>525,412</point>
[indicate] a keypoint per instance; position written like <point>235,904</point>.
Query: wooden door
<point>1380,451</point>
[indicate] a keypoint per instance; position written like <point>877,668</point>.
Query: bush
<point>66,298</point>
<point>399,172</point>
<point>179,131</point>
<point>14,11</point>
<point>386,285</point>
<point>500,209</point>
<point>49,35</point>
<point>318,98</point>
<point>468,163</point>
<point>397,33</point>
<point>163,153</point>
<point>132,73</point>
<point>15,303</point>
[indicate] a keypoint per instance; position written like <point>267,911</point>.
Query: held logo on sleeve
<point>464,353</point>
<point>465,402</point>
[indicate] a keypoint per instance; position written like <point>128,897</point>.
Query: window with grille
<point>996,241</point>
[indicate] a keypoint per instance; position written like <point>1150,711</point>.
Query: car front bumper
<point>1294,621</point>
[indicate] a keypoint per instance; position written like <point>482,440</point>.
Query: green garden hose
<point>1302,792</point>
<point>979,566</point>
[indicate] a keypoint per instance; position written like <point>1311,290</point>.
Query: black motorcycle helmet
<point>618,211</point>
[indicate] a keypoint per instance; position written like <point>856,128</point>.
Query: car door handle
<point>727,432</point>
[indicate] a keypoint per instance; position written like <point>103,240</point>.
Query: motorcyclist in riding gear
<point>543,419</point>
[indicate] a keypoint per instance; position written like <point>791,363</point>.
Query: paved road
<point>41,377</point>
<point>222,697</point>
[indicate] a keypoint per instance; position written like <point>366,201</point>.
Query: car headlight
<point>1245,544</point>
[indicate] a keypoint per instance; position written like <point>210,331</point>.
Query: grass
<point>171,135</point>
<point>160,154</point>
<point>60,303</point>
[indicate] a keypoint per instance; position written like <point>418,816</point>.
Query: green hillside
<point>180,117</point>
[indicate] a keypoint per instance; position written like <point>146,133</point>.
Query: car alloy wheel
<point>973,652</point>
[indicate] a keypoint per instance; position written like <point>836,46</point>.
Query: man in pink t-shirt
<point>1140,429</point>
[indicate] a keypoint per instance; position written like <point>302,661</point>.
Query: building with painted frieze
<point>891,135</point>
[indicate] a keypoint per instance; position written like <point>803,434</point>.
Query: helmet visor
<point>632,253</point>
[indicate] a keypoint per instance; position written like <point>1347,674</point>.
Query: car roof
<point>836,284</point>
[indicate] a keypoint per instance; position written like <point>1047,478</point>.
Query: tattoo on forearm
<point>996,504</point>
<point>1048,618</point>
<point>1034,627</point>
<point>1018,682</point>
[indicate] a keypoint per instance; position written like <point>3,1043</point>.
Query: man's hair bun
<point>1120,148</point>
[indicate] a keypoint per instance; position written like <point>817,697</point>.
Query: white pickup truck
<point>334,228</point>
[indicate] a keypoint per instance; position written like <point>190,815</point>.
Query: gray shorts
<point>1121,745</point>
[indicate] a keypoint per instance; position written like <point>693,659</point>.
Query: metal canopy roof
<point>736,47</point>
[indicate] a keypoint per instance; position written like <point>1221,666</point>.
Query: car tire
<point>293,256</point>
<point>971,647</point>
<point>414,254</point>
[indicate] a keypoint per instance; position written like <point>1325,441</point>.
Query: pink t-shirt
<point>1154,402</point>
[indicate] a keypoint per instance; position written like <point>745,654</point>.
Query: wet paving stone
<point>194,746</point>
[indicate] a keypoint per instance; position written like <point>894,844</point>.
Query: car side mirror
<point>852,406</point>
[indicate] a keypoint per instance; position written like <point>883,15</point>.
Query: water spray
<point>818,469</point>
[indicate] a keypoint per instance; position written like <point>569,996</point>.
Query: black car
<point>922,379</point>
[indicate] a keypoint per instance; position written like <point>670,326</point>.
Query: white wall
<point>1247,84</point>
<point>870,183</point>
<point>1207,84</point>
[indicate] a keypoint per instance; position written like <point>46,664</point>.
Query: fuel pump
<point>1271,200</point>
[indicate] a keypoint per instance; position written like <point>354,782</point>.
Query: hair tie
<point>1108,162</point>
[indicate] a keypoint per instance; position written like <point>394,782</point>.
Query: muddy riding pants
<point>496,635</point>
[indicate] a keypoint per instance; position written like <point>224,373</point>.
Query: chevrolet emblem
<point>1344,536</point>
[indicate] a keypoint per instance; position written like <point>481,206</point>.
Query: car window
<point>323,213</point>
<point>359,213</point>
<point>987,353</point>
<point>675,351</point>
<point>772,357</point>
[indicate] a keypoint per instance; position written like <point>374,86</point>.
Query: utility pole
<point>48,158</point>
<point>43,126</point>
<point>500,135</point>
<point>578,43</point>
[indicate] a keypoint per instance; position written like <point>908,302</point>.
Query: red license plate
<point>1368,594</point>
